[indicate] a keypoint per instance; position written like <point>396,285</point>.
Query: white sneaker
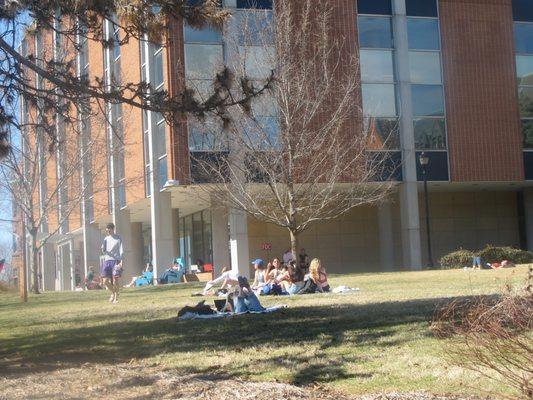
<point>115,301</point>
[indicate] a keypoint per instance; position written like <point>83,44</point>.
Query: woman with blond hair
<point>317,273</point>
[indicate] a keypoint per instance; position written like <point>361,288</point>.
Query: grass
<point>375,340</point>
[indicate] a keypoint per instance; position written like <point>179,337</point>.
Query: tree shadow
<point>375,324</point>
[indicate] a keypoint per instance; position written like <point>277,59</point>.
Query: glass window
<point>430,134</point>
<point>265,105</point>
<point>423,34</point>
<point>525,101</point>
<point>425,67</point>
<point>122,194</point>
<point>379,100</point>
<point>160,140</point>
<point>254,27</point>
<point>203,88</point>
<point>202,61</point>
<point>523,10</point>
<point>148,188</point>
<point>258,61</point>
<point>204,35</point>
<point>376,66</point>
<point>262,4</point>
<point>383,133</point>
<point>427,100</point>
<point>523,36</point>
<point>524,70</point>
<point>527,133</point>
<point>206,135</point>
<point>421,8</point>
<point>375,32</point>
<point>381,7</point>
<point>157,70</point>
<point>163,171</point>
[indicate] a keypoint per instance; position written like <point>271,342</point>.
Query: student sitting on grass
<point>296,279</point>
<point>260,275</point>
<point>318,274</point>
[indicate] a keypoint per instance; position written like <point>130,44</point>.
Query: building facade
<point>455,77</point>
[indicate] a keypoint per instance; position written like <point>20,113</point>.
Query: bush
<point>490,254</point>
<point>457,259</point>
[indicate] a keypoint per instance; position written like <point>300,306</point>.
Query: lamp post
<point>424,162</point>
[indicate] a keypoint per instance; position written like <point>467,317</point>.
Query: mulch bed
<point>135,382</point>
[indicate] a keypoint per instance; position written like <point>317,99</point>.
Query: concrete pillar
<point>164,231</point>
<point>410,221</point>
<point>238,231</point>
<point>48,267</point>
<point>528,208</point>
<point>91,248</point>
<point>220,234</point>
<point>386,240</point>
<point>131,234</point>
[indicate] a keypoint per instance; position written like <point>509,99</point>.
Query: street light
<point>424,162</point>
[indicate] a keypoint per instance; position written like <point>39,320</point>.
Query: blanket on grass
<point>218,315</point>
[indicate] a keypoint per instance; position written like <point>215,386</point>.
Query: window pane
<point>427,100</point>
<point>206,135</point>
<point>383,133</point>
<point>203,88</point>
<point>527,133</point>
<point>375,32</point>
<point>376,66</point>
<point>430,134</point>
<point>523,10</point>
<point>262,4</point>
<point>160,140</point>
<point>425,67</point>
<point>421,8</point>
<point>524,70</point>
<point>163,172</point>
<point>379,100</point>
<point>382,7</point>
<point>202,61</point>
<point>157,70</point>
<point>148,189</point>
<point>204,35</point>
<point>423,33</point>
<point>525,101</point>
<point>523,36</point>
<point>122,194</point>
<point>264,105</point>
<point>258,61</point>
<point>254,27</point>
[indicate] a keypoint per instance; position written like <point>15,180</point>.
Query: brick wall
<point>484,138</point>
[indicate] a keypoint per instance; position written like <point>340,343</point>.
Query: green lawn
<point>372,341</point>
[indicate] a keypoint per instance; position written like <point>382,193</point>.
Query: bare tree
<point>302,153</point>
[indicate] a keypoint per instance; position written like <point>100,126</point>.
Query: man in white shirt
<point>113,252</point>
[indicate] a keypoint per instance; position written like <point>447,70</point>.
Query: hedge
<point>490,254</point>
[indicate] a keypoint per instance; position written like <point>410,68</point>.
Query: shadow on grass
<point>375,324</point>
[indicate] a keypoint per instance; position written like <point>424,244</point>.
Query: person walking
<point>113,251</point>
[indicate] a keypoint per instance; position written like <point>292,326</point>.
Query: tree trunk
<point>34,261</point>
<point>294,244</point>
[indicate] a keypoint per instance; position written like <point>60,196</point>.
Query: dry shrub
<point>494,337</point>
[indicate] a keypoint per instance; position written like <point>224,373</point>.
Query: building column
<point>410,220</point>
<point>220,235</point>
<point>91,247</point>
<point>386,241</point>
<point>238,232</point>
<point>131,235</point>
<point>48,267</point>
<point>163,226</point>
<point>528,208</point>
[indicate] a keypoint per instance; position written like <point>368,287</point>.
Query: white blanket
<point>190,315</point>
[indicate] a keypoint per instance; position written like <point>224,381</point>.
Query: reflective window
<point>383,133</point>
<point>265,105</point>
<point>203,88</point>
<point>423,34</point>
<point>421,8</point>
<point>254,27</point>
<point>204,35</point>
<point>202,61</point>
<point>524,70</point>
<point>523,10</point>
<point>259,61</point>
<point>261,4</point>
<point>159,139</point>
<point>379,100</point>
<point>527,133</point>
<point>381,7</point>
<point>425,67</point>
<point>375,32</point>
<point>157,70</point>
<point>523,36</point>
<point>430,134</point>
<point>163,172</point>
<point>376,66</point>
<point>427,100</point>
<point>525,101</point>
<point>205,135</point>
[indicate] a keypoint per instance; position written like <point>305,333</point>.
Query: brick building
<point>454,74</point>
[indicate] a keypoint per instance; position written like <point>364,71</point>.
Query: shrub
<point>457,259</point>
<point>492,336</point>
<point>492,254</point>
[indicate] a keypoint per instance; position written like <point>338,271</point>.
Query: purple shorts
<point>111,269</point>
